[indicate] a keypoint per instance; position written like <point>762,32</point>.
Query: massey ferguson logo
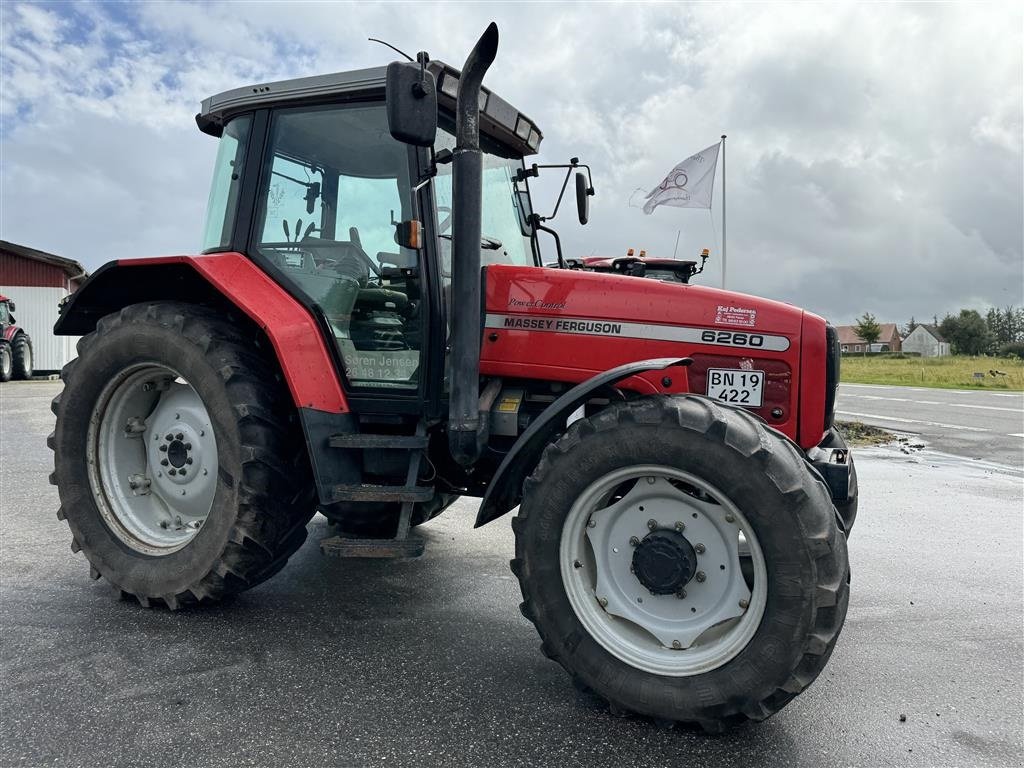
<point>536,304</point>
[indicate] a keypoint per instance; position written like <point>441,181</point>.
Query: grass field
<point>953,372</point>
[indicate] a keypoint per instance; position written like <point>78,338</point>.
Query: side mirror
<point>10,306</point>
<point>583,193</point>
<point>412,103</point>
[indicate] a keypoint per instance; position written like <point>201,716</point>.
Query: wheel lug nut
<point>163,448</point>
<point>701,576</point>
<point>188,459</point>
<point>680,526</point>
<point>591,523</point>
<point>173,472</point>
<point>744,603</point>
<point>730,518</point>
<point>634,541</point>
<point>700,549</point>
<point>681,594</point>
<point>163,462</point>
<point>169,437</point>
<point>676,644</point>
<point>577,564</point>
<point>652,524</point>
<point>179,436</point>
<point>603,601</point>
<point>188,446</point>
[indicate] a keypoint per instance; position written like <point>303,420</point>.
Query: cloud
<point>874,152</point>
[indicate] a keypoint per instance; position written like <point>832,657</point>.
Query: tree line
<point>999,332</point>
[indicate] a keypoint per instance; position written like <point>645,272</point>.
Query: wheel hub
<point>664,562</point>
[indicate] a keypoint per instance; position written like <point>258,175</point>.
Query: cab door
<point>334,184</point>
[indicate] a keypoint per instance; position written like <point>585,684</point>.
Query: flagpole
<point>678,233</point>
<point>723,210</point>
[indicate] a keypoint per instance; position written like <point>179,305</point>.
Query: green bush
<point>1012,349</point>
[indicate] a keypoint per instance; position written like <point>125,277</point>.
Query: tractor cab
<point>311,184</point>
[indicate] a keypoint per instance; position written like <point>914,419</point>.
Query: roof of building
<point>72,268</point>
<point>933,330</point>
<point>848,333</point>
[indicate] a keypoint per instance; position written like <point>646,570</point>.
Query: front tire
<point>682,561</point>
<point>22,352</point>
<point>6,361</point>
<point>180,465</point>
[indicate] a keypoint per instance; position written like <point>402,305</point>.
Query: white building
<point>36,282</point>
<point>927,340</point>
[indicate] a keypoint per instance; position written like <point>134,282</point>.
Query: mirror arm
<point>536,221</point>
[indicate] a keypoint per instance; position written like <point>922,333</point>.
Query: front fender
<point>506,487</point>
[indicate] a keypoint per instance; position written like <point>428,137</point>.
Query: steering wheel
<point>311,248</point>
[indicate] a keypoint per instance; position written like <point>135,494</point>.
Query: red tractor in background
<point>15,345</point>
<point>370,332</point>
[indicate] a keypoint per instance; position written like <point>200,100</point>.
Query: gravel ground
<point>429,662</point>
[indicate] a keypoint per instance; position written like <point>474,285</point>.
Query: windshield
<point>504,229</point>
<point>227,178</point>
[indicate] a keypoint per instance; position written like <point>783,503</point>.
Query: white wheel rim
<point>669,635</point>
<point>152,459</point>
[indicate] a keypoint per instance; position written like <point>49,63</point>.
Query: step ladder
<point>403,545</point>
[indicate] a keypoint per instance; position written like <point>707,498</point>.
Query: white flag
<point>689,184</point>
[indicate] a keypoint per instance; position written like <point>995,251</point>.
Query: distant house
<point>927,340</point>
<point>888,339</point>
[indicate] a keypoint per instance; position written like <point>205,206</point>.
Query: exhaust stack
<point>465,433</point>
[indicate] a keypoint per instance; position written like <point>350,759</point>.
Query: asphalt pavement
<point>428,662</point>
<point>976,424</point>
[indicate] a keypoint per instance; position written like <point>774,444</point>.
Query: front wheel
<point>21,350</point>
<point>682,561</point>
<point>6,361</point>
<point>179,461</point>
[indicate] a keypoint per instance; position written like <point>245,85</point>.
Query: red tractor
<point>369,332</point>
<point>669,270</point>
<point>15,345</point>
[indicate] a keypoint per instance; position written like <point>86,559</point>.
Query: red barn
<point>36,282</point>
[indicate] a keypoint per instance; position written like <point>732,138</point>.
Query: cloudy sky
<point>874,151</point>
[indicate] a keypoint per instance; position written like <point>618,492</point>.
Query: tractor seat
<point>382,300</point>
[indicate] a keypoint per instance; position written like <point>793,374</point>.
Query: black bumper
<point>834,462</point>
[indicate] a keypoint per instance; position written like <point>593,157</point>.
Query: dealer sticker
<point>729,315</point>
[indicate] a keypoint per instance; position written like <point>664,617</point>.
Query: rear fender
<point>506,487</point>
<point>215,278</point>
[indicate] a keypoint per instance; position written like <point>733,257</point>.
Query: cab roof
<point>498,118</point>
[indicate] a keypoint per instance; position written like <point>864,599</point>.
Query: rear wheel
<point>682,561</point>
<point>22,352</point>
<point>179,461</point>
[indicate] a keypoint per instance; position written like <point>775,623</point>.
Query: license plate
<point>737,387</point>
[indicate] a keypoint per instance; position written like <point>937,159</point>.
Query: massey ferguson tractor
<point>369,332</point>
<point>15,345</point>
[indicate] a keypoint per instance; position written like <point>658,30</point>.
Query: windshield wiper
<point>487,243</point>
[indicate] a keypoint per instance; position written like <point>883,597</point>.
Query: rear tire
<point>259,480</point>
<point>725,672</point>
<point>22,352</point>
